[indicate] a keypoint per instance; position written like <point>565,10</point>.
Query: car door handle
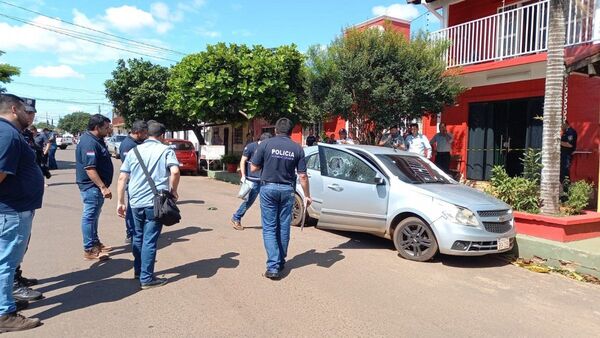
<point>335,187</point>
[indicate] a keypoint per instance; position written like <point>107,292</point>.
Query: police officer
<point>568,144</point>
<point>137,135</point>
<point>279,158</point>
<point>94,173</point>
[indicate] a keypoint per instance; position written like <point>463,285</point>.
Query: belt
<point>280,183</point>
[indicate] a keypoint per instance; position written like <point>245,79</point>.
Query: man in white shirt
<point>344,139</point>
<point>417,143</point>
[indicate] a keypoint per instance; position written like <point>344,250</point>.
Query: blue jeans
<point>15,229</point>
<point>92,206</point>
<point>276,204</point>
<point>247,203</point>
<point>145,237</point>
<point>52,157</point>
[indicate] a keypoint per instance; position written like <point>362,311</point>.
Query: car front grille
<point>497,227</point>
<point>483,246</point>
<point>492,213</point>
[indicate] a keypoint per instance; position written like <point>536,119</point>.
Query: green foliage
<point>75,122</point>
<point>42,125</point>
<point>138,91</point>
<point>233,83</point>
<point>231,158</point>
<point>377,78</point>
<point>7,72</point>
<point>578,197</point>
<point>532,164</point>
<point>519,192</point>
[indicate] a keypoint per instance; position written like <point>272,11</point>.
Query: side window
<point>347,167</point>
<point>313,162</point>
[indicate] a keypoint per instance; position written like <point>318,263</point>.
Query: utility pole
<point>46,117</point>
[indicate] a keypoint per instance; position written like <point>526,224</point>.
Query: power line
<point>84,39</point>
<point>93,29</point>
<point>78,90</point>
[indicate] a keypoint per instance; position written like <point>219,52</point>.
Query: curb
<point>233,178</point>
<point>558,254</point>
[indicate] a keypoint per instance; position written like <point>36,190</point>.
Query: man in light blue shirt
<point>417,143</point>
<point>164,171</point>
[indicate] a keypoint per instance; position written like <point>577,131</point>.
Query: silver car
<point>114,143</point>
<point>403,197</point>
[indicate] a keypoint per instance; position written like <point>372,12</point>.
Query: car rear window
<point>181,145</point>
<point>120,138</point>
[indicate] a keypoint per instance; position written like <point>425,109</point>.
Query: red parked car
<point>186,154</point>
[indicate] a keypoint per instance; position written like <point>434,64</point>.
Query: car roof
<point>176,140</point>
<point>375,150</point>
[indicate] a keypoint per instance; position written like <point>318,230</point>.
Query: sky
<point>66,72</point>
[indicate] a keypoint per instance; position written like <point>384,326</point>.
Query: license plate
<point>503,243</point>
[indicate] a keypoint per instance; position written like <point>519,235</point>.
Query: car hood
<point>463,195</point>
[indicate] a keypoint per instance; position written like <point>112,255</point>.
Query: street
<point>336,284</point>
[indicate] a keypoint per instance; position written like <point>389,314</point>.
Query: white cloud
<point>55,72</point>
<point>399,11</point>
<point>208,33</point>
<point>242,32</point>
<point>129,18</point>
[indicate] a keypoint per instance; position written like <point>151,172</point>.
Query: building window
<point>238,135</point>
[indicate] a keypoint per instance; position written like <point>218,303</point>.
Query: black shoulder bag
<point>165,208</point>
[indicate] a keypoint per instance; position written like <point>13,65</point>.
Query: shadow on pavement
<point>312,257</point>
<point>357,240</point>
<point>204,268</point>
<point>88,294</point>
<point>61,183</point>
<point>191,202</point>
<point>166,238</point>
<point>64,165</point>
<point>487,261</point>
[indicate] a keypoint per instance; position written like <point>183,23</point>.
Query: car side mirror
<point>378,180</point>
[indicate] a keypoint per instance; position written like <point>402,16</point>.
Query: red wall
<point>470,10</point>
<point>583,114</point>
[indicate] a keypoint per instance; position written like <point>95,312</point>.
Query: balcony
<point>517,31</point>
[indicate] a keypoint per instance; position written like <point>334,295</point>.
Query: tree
<point>6,72</point>
<point>138,90</point>
<point>374,79</point>
<point>42,125</point>
<point>234,83</point>
<point>75,122</point>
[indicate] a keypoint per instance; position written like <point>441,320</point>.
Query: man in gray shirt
<point>443,146</point>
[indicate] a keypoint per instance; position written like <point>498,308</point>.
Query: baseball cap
<point>29,105</point>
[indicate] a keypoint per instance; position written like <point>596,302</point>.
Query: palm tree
<point>555,74</point>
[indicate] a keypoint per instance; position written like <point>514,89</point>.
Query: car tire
<point>297,211</point>
<point>414,240</point>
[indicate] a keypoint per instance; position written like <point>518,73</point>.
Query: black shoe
<point>21,292</point>
<point>26,281</point>
<point>16,322</point>
<point>21,305</point>
<point>156,282</point>
<point>272,275</point>
<point>281,266</point>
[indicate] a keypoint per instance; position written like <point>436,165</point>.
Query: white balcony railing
<point>517,31</point>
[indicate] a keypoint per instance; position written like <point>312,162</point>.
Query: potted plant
<point>231,161</point>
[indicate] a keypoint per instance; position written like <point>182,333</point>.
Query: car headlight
<point>457,214</point>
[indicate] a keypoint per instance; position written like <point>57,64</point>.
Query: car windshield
<point>120,138</point>
<point>412,169</point>
<point>181,145</point>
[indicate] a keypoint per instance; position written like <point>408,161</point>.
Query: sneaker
<point>237,225</point>
<point>156,282</point>
<point>272,275</point>
<point>105,248</point>
<point>26,281</point>
<point>94,254</point>
<point>16,322</point>
<point>21,305</point>
<point>21,292</point>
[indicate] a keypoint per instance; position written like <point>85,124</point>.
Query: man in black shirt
<point>311,139</point>
<point>253,177</point>
<point>279,158</point>
<point>568,144</point>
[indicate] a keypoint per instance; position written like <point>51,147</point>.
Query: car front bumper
<point>460,240</point>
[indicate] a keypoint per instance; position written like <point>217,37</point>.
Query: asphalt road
<point>338,284</point>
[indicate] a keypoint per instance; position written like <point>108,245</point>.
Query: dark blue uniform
<point>92,153</point>
<point>253,193</point>
<point>249,153</point>
<point>23,188</point>
<point>280,159</point>
<point>566,153</point>
<point>126,145</point>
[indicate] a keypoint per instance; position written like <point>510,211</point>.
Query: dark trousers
<point>565,165</point>
<point>442,160</point>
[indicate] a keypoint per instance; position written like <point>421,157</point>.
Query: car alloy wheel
<point>415,240</point>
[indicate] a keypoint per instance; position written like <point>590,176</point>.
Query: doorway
<point>499,134</point>
<point>226,139</point>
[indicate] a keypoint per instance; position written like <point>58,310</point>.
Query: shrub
<point>231,158</point>
<point>578,197</point>
<point>532,164</point>
<point>521,193</point>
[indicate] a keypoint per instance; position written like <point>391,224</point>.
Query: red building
<point>500,50</point>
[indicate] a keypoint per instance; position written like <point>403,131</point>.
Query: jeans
<point>15,229</point>
<point>442,161</point>
<point>52,157</point>
<point>276,204</point>
<point>145,238</point>
<point>247,203</point>
<point>92,206</point>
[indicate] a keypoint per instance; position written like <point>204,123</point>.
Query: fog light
<point>460,245</point>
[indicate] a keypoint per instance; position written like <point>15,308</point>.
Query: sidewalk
<point>581,256</point>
